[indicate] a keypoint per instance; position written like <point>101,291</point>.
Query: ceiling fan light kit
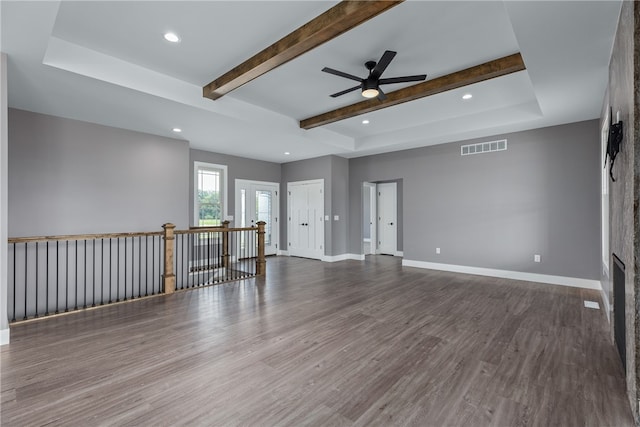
<point>369,89</point>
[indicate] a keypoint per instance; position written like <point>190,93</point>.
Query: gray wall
<point>237,168</point>
<point>72,177</point>
<point>4,191</point>
<point>624,218</point>
<point>339,205</point>
<point>335,172</point>
<point>496,210</point>
<point>303,170</point>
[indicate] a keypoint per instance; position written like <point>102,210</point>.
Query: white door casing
<point>259,201</point>
<point>372,220</point>
<point>306,218</point>
<point>387,218</point>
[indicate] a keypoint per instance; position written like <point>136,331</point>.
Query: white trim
<point>399,253</point>
<point>4,336</point>
<point>506,274</point>
<point>393,186</point>
<point>373,214</point>
<point>283,253</point>
<point>275,229</point>
<point>307,182</point>
<point>366,240</point>
<point>322,217</point>
<point>225,189</point>
<point>250,181</point>
<point>343,257</point>
<point>605,302</point>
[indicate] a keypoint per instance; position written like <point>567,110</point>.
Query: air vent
<point>483,147</point>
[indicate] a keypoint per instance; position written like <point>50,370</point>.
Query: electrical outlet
<point>336,217</point>
<point>536,258</point>
<point>326,217</point>
<point>437,250</point>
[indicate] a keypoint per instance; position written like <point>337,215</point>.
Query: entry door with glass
<point>258,201</point>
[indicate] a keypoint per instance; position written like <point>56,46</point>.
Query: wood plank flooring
<point>343,344</point>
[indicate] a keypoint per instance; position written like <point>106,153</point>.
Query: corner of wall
<point>4,199</point>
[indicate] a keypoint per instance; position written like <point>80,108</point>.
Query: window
<point>210,207</point>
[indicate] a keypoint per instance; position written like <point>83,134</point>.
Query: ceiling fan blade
<point>404,79</point>
<point>341,74</point>
<point>346,91</point>
<point>381,95</point>
<point>384,62</point>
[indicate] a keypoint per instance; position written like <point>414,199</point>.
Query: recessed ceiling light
<point>365,122</point>
<point>177,130</point>
<point>467,96</point>
<point>171,37</point>
<point>286,153</point>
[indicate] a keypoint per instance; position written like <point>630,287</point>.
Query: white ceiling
<point>107,63</point>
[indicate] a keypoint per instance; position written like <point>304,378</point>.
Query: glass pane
<point>243,207</point>
<point>209,216</point>
<point>263,212</point>
<point>210,212</point>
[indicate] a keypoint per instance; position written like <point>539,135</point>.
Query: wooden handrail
<point>168,278</point>
<point>206,259</point>
<point>215,230</point>
<point>82,237</point>
<point>261,261</point>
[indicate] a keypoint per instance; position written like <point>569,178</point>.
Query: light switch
<point>336,218</point>
<point>326,217</point>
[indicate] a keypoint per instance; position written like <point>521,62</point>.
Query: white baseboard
<point>283,253</point>
<point>4,336</point>
<point>399,253</point>
<point>605,303</point>
<point>506,274</point>
<point>343,257</point>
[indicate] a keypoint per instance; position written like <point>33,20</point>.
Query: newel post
<point>225,244</point>
<point>261,263</point>
<point>169,277</point>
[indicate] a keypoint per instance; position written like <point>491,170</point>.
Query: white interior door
<point>387,221</point>
<point>258,201</point>
<point>306,215</point>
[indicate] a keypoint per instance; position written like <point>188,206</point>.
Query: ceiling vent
<point>483,147</point>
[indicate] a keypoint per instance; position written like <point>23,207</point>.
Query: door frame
<point>306,182</point>
<point>378,219</point>
<point>275,228</point>
<point>372,188</point>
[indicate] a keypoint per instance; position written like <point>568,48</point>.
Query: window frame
<point>198,166</point>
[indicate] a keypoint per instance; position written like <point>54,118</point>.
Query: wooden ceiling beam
<point>335,21</point>
<point>488,70</point>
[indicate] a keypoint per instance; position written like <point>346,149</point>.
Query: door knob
<point>390,223</point>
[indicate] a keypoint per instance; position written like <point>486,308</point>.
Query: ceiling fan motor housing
<point>369,83</point>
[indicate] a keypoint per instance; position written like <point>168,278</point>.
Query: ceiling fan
<point>371,84</point>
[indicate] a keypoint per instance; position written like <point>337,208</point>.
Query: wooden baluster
<point>261,262</point>
<point>169,277</point>
<point>225,245</point>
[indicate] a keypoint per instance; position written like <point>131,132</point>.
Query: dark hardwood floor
<point>348,343</point>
